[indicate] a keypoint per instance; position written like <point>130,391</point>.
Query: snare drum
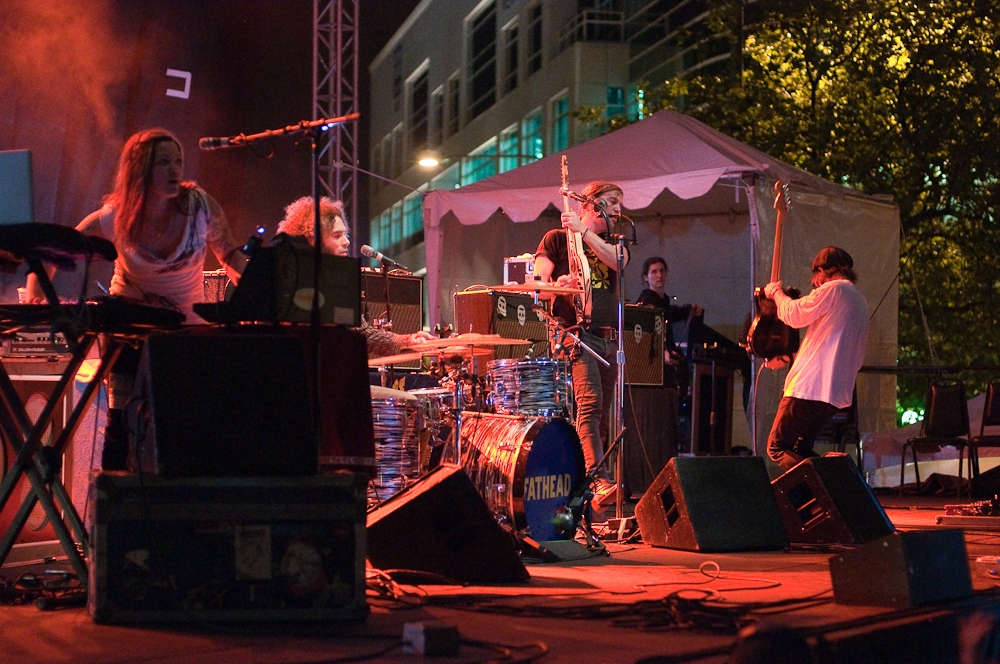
<point>525,468</point>
<point>538,387</point>
<point>397,420</point>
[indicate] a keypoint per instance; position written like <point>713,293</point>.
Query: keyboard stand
<point>38,245</point>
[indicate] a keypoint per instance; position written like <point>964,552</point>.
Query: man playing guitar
<point>593,383</point>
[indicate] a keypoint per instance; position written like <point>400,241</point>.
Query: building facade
<point>485,86</point>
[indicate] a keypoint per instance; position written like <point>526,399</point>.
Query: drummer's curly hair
<point>299,217</point>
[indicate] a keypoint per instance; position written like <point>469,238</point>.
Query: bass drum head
<point>554,469</point>
<point>525,468</point>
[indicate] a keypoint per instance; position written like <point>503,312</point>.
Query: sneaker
<point>604,494</point>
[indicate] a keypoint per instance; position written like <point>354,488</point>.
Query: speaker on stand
<point>34,384</point>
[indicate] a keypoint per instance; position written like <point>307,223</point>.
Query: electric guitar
<point>768,336</point>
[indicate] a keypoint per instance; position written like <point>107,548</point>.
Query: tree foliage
<point>897,97</point>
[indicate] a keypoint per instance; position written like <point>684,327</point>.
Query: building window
<point>449,178</point>
<point>419,99</point>
<point>560,123</point>
<point>534,39</point>
<point>616,101</point>
<point>397,76</point>
<point>384,229</point>
<point>397,150</point>
<point>396,232</point>
<point>510,149</point>
<point>377,158</point>
<point>413,221</point>
<point>531,136</point>
<point>454,105</point>
<point>437,118</point>
<point>510,58</point>
<point>483,60</point>
<point>480,164</point>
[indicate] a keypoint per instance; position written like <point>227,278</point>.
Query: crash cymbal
<point>394,359</point>
<point>470,339</point>
<point>540,286</point>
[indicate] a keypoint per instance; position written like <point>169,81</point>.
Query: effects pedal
<point>619,530</point>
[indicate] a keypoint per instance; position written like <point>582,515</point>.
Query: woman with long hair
<point>162,227</point>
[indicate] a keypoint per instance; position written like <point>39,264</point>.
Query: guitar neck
<point>776,256</point>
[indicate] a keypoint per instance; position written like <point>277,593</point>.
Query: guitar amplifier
<point>406,299</point>
<point>507,314</point>
<point>644,330</point>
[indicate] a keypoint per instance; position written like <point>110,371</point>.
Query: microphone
<point>209,143</point>
<point>380,257</point>
<point>596,202</point>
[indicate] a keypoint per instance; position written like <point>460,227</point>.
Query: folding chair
<point>991,418</point>
<point>946,422</point>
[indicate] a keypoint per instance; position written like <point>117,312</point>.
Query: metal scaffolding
<point>335,88</point>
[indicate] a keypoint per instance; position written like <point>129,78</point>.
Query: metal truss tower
<point>335,94</point>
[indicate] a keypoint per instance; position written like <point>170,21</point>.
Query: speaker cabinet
<point>34,389</point>
<point>712,409</point>
<point>441,525</point>
<point>508,314</point>
<point>903,570</point>
<point>406,299</point>
<point>827,501</point>
<point>221,405</point>
<point>644,330</point>
<point>711,504</point>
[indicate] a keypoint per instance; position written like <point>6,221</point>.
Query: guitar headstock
<point>782,201</point>
<point>565,173</point>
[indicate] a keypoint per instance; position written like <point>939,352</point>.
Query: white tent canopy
<point>703,201</point>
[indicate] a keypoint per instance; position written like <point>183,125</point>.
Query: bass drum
<point>525,468</point>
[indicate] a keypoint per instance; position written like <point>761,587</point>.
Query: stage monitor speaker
<point>644,334</point>
<point>441,525</point>
<point>711,504</point>
<point>827,501</point>
<point>224,405</point>
<point>34,391</point>
<point>508,314</point>
<point>903,570</point>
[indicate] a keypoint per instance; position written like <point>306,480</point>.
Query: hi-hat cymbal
<point>540,286</point>
<point>470,339</point>
<point>394,359</point>
<point>464,351</point>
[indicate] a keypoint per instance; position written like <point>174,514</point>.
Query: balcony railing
<point>592,25</point>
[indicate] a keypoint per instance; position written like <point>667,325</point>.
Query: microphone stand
<point>618,413</point>
<point>314,129</point>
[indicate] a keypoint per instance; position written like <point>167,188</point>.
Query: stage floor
<point>613,608</point>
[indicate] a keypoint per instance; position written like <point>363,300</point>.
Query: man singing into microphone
<point>299,221</point>
<point>593,383</point>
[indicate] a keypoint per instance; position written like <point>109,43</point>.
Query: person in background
<point>654,273</point>
<point>298,220</point>
<point>162,227</point>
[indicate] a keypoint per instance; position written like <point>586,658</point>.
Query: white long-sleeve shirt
<point>833,349</point>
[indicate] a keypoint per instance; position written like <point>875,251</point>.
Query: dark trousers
<point>796,426</point>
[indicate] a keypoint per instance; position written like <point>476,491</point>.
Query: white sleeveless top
<point>175,281</point>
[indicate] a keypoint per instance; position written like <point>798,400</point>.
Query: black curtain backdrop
<point>78,78</point>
